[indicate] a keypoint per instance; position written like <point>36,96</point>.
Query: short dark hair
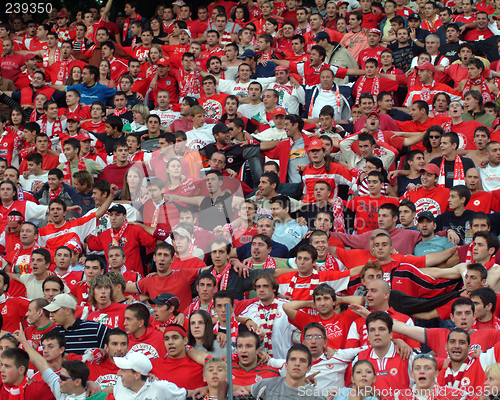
<point>140,311</point>
<point>463,192</point>
<point>165,246</point>
<point>303,349</point>
<point>273,178</point>
<point>408,203</point>
<point>44,253</point>
<point>94,257</point>
<point>479,268</point>
<point>307,248</point>
<point>324,289</point>
<point>379,316</point>
<point>491,239</point>
<point>56,279</point>
<point>56,336</point>
<point>459,330</point>
<point>224,294</point>
<point>114,332</point>
<point>316,325</point>
<point>115,122</point>
<point>487,296</point>
<point>282,200</point>
<point>19,356</point>
<point>248,334</point>
<point>57,172</point>
<point>421,105</point>
<point>77,370</point>
<point>462,301</point>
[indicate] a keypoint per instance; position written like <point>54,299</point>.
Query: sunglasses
<point>259,217</point>
<point>434,136</point>
<point>64,378</point>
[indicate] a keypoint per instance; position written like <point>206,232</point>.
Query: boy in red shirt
<point>106,312</point>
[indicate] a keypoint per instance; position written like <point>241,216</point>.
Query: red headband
<point>15,218</point>
<point>173,328</point>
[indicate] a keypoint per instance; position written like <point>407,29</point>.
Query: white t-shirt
<point>249,110</point>
<point>32,180</point>
<point>490,177</point>
<point>166,117</point>
<point>198,138</point>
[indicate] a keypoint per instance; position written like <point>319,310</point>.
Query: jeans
<point>254,159</point>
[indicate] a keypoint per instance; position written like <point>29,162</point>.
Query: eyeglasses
<point>434,136</point>
<point>64,378</point>
<point>310,337</point>
<point>260,216</point>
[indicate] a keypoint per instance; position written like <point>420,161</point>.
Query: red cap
<point>164,62</point>
<point>428,66</point>
<point>82,137</point>
<point>431,169</point>
<point>281,68</point>
<point>373,30</point>
<point>279,111</point>
<point>62,14</point>
<point>29,56</point>
<point>316,144</point>
<point>343,2</point>
<point>373,113</point>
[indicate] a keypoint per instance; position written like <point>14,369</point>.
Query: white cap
<point>135,361</point>
<point>62,300</point>
<point>187,31</point>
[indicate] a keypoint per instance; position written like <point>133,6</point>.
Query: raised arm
<point>35,357</point>
<point>292,307</point>
<point>413,332</point>
<point>104,206</point>
<point>193,201</point>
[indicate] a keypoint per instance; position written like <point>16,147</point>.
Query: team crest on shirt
<point>146,349</point>
<point>258,378</point>
<point>213,109</point>
<point>169,82</point>
<point>107,380</point>
<point>477,202</point>
<point>393,371</point>
<point>278,315</point>
<point>329,366</point>
<point>427,204</point>
<point>465,381</point>
<point>5,144</point>
<point>230,160</point>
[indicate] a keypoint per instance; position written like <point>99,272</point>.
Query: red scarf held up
<point>485,90</point>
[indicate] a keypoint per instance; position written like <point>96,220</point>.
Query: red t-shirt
<point>475,34</point>
<point>188,263</point>
<point>93,127</point>
<point>242,236</point>
<point>435,200</point>
<point>370,53</point>
<point>302,291</point>
<point>366,209</point>
<point>436,339</point>
<point>150,344</point>
<point>81,292</point>
<point>214,105</point>
<point>337,175</point>
<point>34,335</point>
<point>177,282</point>
<point>371,20</point>
<point>247,377</point>
<point>483,201</point>
<point>15,308</point>
<point>112,316</point>
<point>336,327</point>
<point>184,372</point>
<point>105,373</point>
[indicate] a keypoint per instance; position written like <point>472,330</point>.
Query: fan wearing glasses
<point>72,380</point>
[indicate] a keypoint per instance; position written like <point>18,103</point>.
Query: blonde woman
<point>492,384</point>
<point>138,125</point>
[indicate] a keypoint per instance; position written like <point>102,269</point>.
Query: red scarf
<point>68,177</point>
<point>330,264</point>
<point>338,213</point>
<point>267,324</point>
<point>53,195</point>
<point>454,379</point>
<point>63,73</point>
<point>197,303</point>
<point>458,173</point>
<point>25,268</point>
<point>56,127</point>
<point>425,92</point>
<point>223,276</point>
<point>126,24</point>
<point>485,90</point>
<point>269,264</point>
<point>468,257</point>
<point>234,330</point>
<point>115,237</point>
<point>118,112</point>
<point>313,282</point>
<point>375,87</point>
<point>16,392</point>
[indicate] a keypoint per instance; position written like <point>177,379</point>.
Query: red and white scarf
<point>197,303</point>
<point>425,92</point>
<point>56,127</point>
<point>338,99</point>
<point>267,324</point>
<point>54,195</point>
<point>16,392</point>
<point>269,264</point>
<point>68,177</point>
<point>126,24</point>
<point>413,80</point>
<point>338,221</point>
<point>46,57</point>
<point>375,87</point>
<point>118,112</point>
<point>313,282</point>
<point>115,237</point>
<point>234,329</point>
<point>485,90</point>
<point>468,257</point>
<point>458,173</point>
<point>82,45</point>
<point>330,264</point>
<point>223,277</point>
<point>454,379</point>
<point>63,73</point>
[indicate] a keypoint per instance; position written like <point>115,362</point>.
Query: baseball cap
<point>281,68</point>
<point>426,214</point>
<point>340,3</point>
<point>72,118</point>
<point>431,169</point>
<point>166,299</point>
<point>164,62</point>
<point>118,208</point>
<point>181,232</point>
<point>427,65</point>
<point>373,113</point>
<point>62,14</point>
<point>29,56</point>
<point>220,127</point>
<point>279,111</point>
<point>248,53</point>
<point>135,361</point>
<point>186,30</point>
<point>61,300</point>
<point>414,16</point>
<point>83,136</point>
<point>374,30</point>
<point>322,36</point>
<point>316,144</point>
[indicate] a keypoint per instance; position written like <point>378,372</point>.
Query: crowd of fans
<point>327,171</point>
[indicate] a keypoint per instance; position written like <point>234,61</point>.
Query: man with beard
<point>430,243</point>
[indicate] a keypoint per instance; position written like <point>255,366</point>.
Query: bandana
<point>485,91</point>
<point>15,218</point>
<point>53,195</point>
<point>68,178</point>
<point>454,379</point>
<point>269,264</point>
<point>56,127</point>
<point>267,324</point>
<point>234,329</point>
<point>458,173</point>
<point>313,282</point>
<point>375,87</point>
<point>17,392</point>
<point>223,276</point>
<point>126,24</point>
<point>115,237</point>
